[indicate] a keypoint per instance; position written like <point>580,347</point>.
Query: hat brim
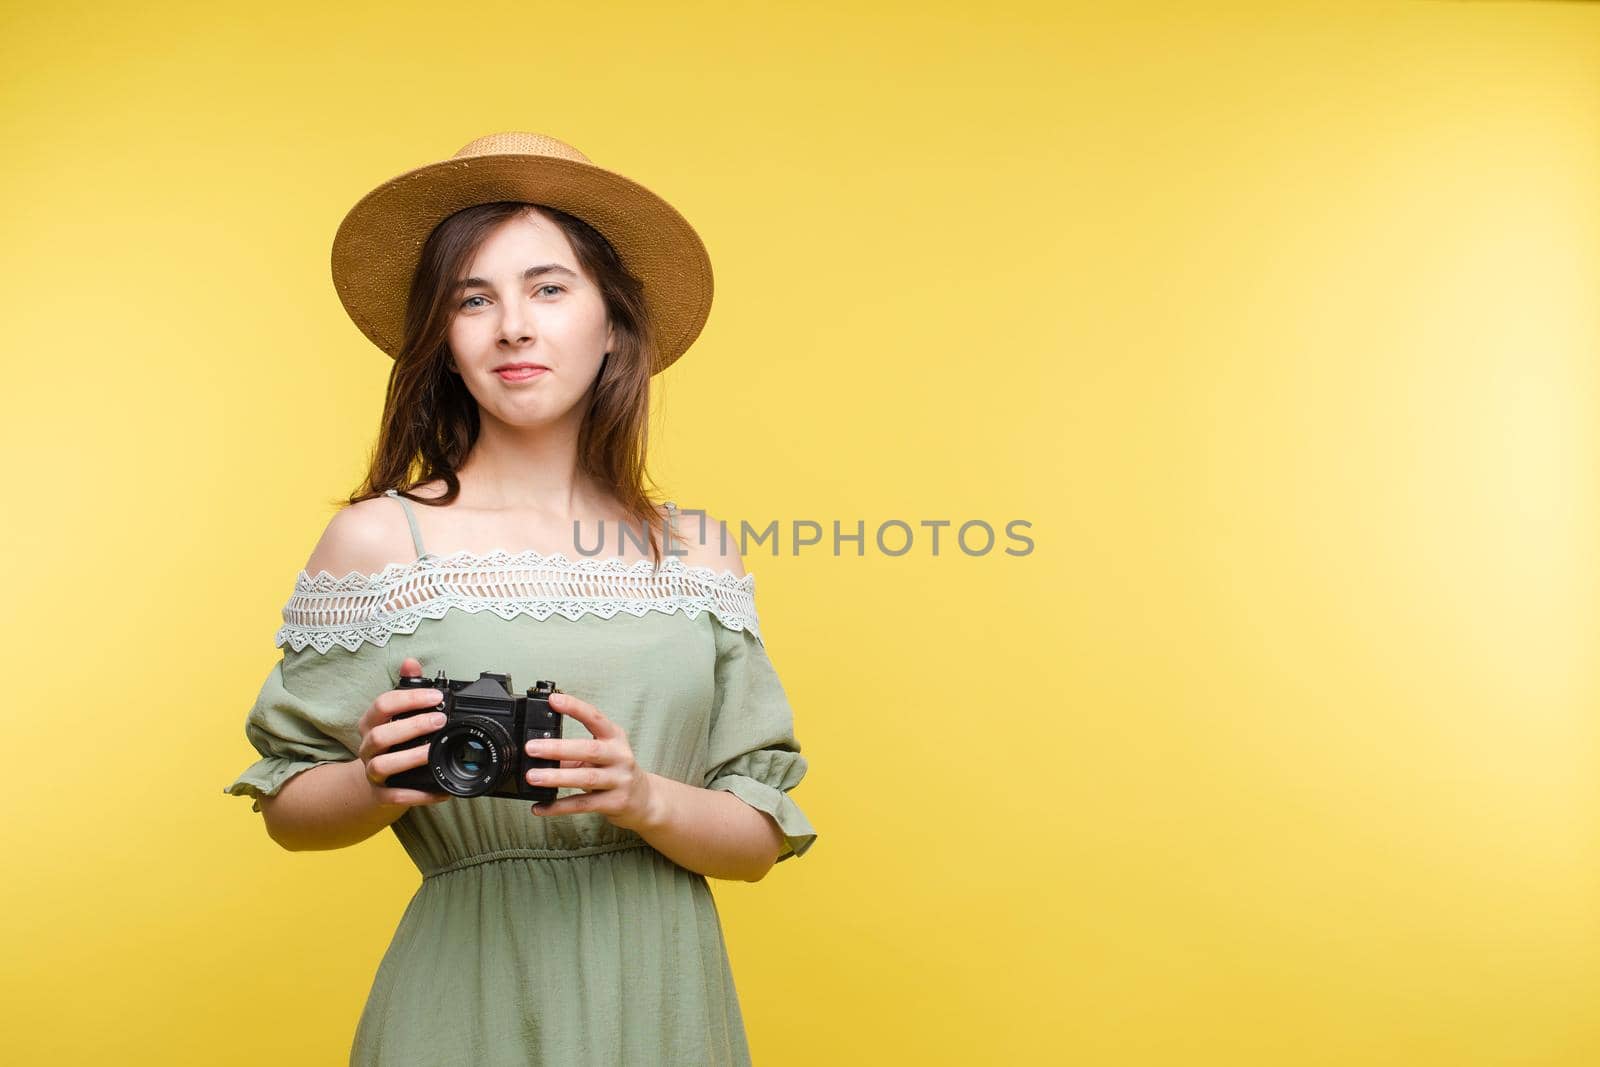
<point>379,244</point>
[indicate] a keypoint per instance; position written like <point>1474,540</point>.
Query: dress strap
<point>672,523</point>
<point>411,520</point>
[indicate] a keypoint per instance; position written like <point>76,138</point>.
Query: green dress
<point>545,939</point>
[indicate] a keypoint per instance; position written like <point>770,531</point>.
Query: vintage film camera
<point>480,751</point>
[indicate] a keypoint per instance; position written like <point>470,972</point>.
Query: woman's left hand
<point>603,763</point>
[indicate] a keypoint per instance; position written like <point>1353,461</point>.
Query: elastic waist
<point>501,855</point>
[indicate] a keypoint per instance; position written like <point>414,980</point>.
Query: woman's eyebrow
<point>530,273</point>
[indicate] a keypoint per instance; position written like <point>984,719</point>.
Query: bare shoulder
<point>363,537</point>
<point>707,541</point>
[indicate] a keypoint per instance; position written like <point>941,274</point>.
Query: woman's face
<point>525,300</point>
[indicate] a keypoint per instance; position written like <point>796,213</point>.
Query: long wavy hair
<point>430,419</point>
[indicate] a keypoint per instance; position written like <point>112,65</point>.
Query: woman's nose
<point>515,323</point>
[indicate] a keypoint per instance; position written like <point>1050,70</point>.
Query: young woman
<point>528,297</point>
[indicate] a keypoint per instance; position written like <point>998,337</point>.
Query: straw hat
<point>379,243</point>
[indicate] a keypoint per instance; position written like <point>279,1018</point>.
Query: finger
<point>565,806</point>
<point>390,736</point>
<point>576,778</point>
<point>391,733</point>
<point>386,764</point>
<point>586,713</point>
<point>410,797</point>
<point>394,701</point>
<point>575,749</point>
<point>411,667</point>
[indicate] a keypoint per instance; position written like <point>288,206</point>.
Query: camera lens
<point>470,756</point>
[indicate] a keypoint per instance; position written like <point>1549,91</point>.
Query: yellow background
<point>1278,322</point>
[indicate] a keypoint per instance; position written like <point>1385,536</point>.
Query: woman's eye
<point>468,302</point>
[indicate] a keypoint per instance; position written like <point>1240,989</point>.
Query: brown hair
<point>430,419</point>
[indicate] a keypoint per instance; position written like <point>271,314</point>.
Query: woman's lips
<point>521,374</point>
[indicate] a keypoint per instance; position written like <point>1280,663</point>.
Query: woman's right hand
<point>380,733</point>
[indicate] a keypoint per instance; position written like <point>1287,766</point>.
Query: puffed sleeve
<point>753,753</point>
<point>308,713</point>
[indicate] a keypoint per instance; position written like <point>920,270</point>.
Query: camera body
<point>481,750</point>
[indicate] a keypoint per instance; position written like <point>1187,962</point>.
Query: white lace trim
<point>325,610</point>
